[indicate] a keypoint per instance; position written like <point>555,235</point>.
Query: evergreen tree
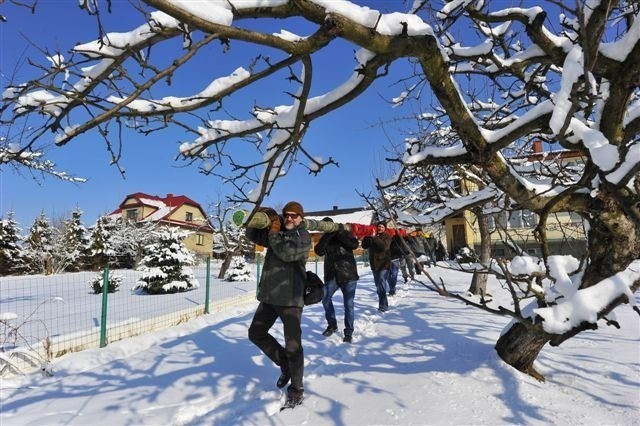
<point>39,250</point>
<point>72,253</point>
<point>238,270</point>
<point>229,242</point>
<point>129,240</point>
<point>12,259</point>
<point>101,248</point>
<point>163,266</point>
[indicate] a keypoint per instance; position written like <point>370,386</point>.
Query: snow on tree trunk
<point>164,266</point>
<point>238,270</point>
<point>614,242</point>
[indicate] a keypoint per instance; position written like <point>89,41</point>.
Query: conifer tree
<point>39,250</point>
<point>11,254</point>
<point>165,264</point>
<point>238,270</point>
<point>72,255</point>
<point>101,248</point>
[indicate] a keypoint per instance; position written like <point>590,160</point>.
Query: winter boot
<point>329,331</point>
<point>292,401</point>
<point>284,378</point>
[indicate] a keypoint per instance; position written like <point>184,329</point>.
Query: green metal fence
<point>43,317</point>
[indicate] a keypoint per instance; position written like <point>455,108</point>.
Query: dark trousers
<point>291,355</point>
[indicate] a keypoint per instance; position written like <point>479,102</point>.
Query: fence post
<point>316,264</point>
<point>103,317</point>
<point>257,272</point>
<point>207,286</point>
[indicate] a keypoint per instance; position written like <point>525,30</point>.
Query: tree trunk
<point>478,284</point>
<point>519,347</point>
<point>479,280</point>
<point>225,264</point>
<point>613,242</point>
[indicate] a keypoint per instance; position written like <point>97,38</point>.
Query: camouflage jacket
<point>283,275</point>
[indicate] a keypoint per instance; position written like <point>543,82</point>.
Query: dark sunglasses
<point>291,215</point>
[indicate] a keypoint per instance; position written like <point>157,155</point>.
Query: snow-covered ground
<point>428,360</point>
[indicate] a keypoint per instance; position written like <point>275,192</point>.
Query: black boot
<point>293,400</point>
<point>284,378</point>
<point>329,331</point>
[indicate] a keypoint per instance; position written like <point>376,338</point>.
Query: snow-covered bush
<point>238,270</point>
<point>466,255</point>
<point>112,287</point>
<point>165,264</point>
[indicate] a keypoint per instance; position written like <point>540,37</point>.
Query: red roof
<point>166,206</point>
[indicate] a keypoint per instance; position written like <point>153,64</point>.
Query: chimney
<point>537,146</point>
<point>169,195</point>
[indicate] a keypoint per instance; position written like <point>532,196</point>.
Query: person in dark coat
<point>397,254</point>
<point>380,261</point>
<point>340,271</point>
<point>430,246</point>
<point>281,295</point>
<point>416,243</point>
<point>406,261</point>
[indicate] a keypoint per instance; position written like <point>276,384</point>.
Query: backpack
<point>313,289</point>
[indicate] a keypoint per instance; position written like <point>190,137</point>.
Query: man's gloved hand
<point>274,218</point>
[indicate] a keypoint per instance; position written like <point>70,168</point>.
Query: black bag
<point>313,289</point>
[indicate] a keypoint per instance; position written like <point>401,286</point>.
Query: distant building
<point>565,230</point>
<point>173,210</point>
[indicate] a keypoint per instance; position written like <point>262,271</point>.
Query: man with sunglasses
<point>281,294</point>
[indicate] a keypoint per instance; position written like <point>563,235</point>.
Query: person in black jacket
<point>416,243</point>
<point>397,254</point>
<point>281,295</point>
<point>380,261</point>
<point>340,270</point>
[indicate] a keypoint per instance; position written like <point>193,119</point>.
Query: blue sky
<point>349,135</point>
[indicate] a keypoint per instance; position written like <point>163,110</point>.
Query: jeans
<point>290,356</point>
<point>393,275</point>
<point>432,258</point>
<point>406,271</point>
<point>348,295</point>
<point>382,287</point>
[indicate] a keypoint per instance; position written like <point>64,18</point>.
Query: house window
<point>199,239</point>
<point>498,220</point>
<point>529,218</point>
<point>575,217</point>
<point>189,217</point>
<point>132,215</point>
<point>522,219</point>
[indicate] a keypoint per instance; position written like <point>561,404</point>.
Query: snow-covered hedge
<point>114,283</point>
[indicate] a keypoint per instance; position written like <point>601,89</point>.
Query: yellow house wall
<point>180,215</point>
<point>466,221</point>
<point>207,245</point>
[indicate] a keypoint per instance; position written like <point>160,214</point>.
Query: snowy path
<point>427,361</point>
